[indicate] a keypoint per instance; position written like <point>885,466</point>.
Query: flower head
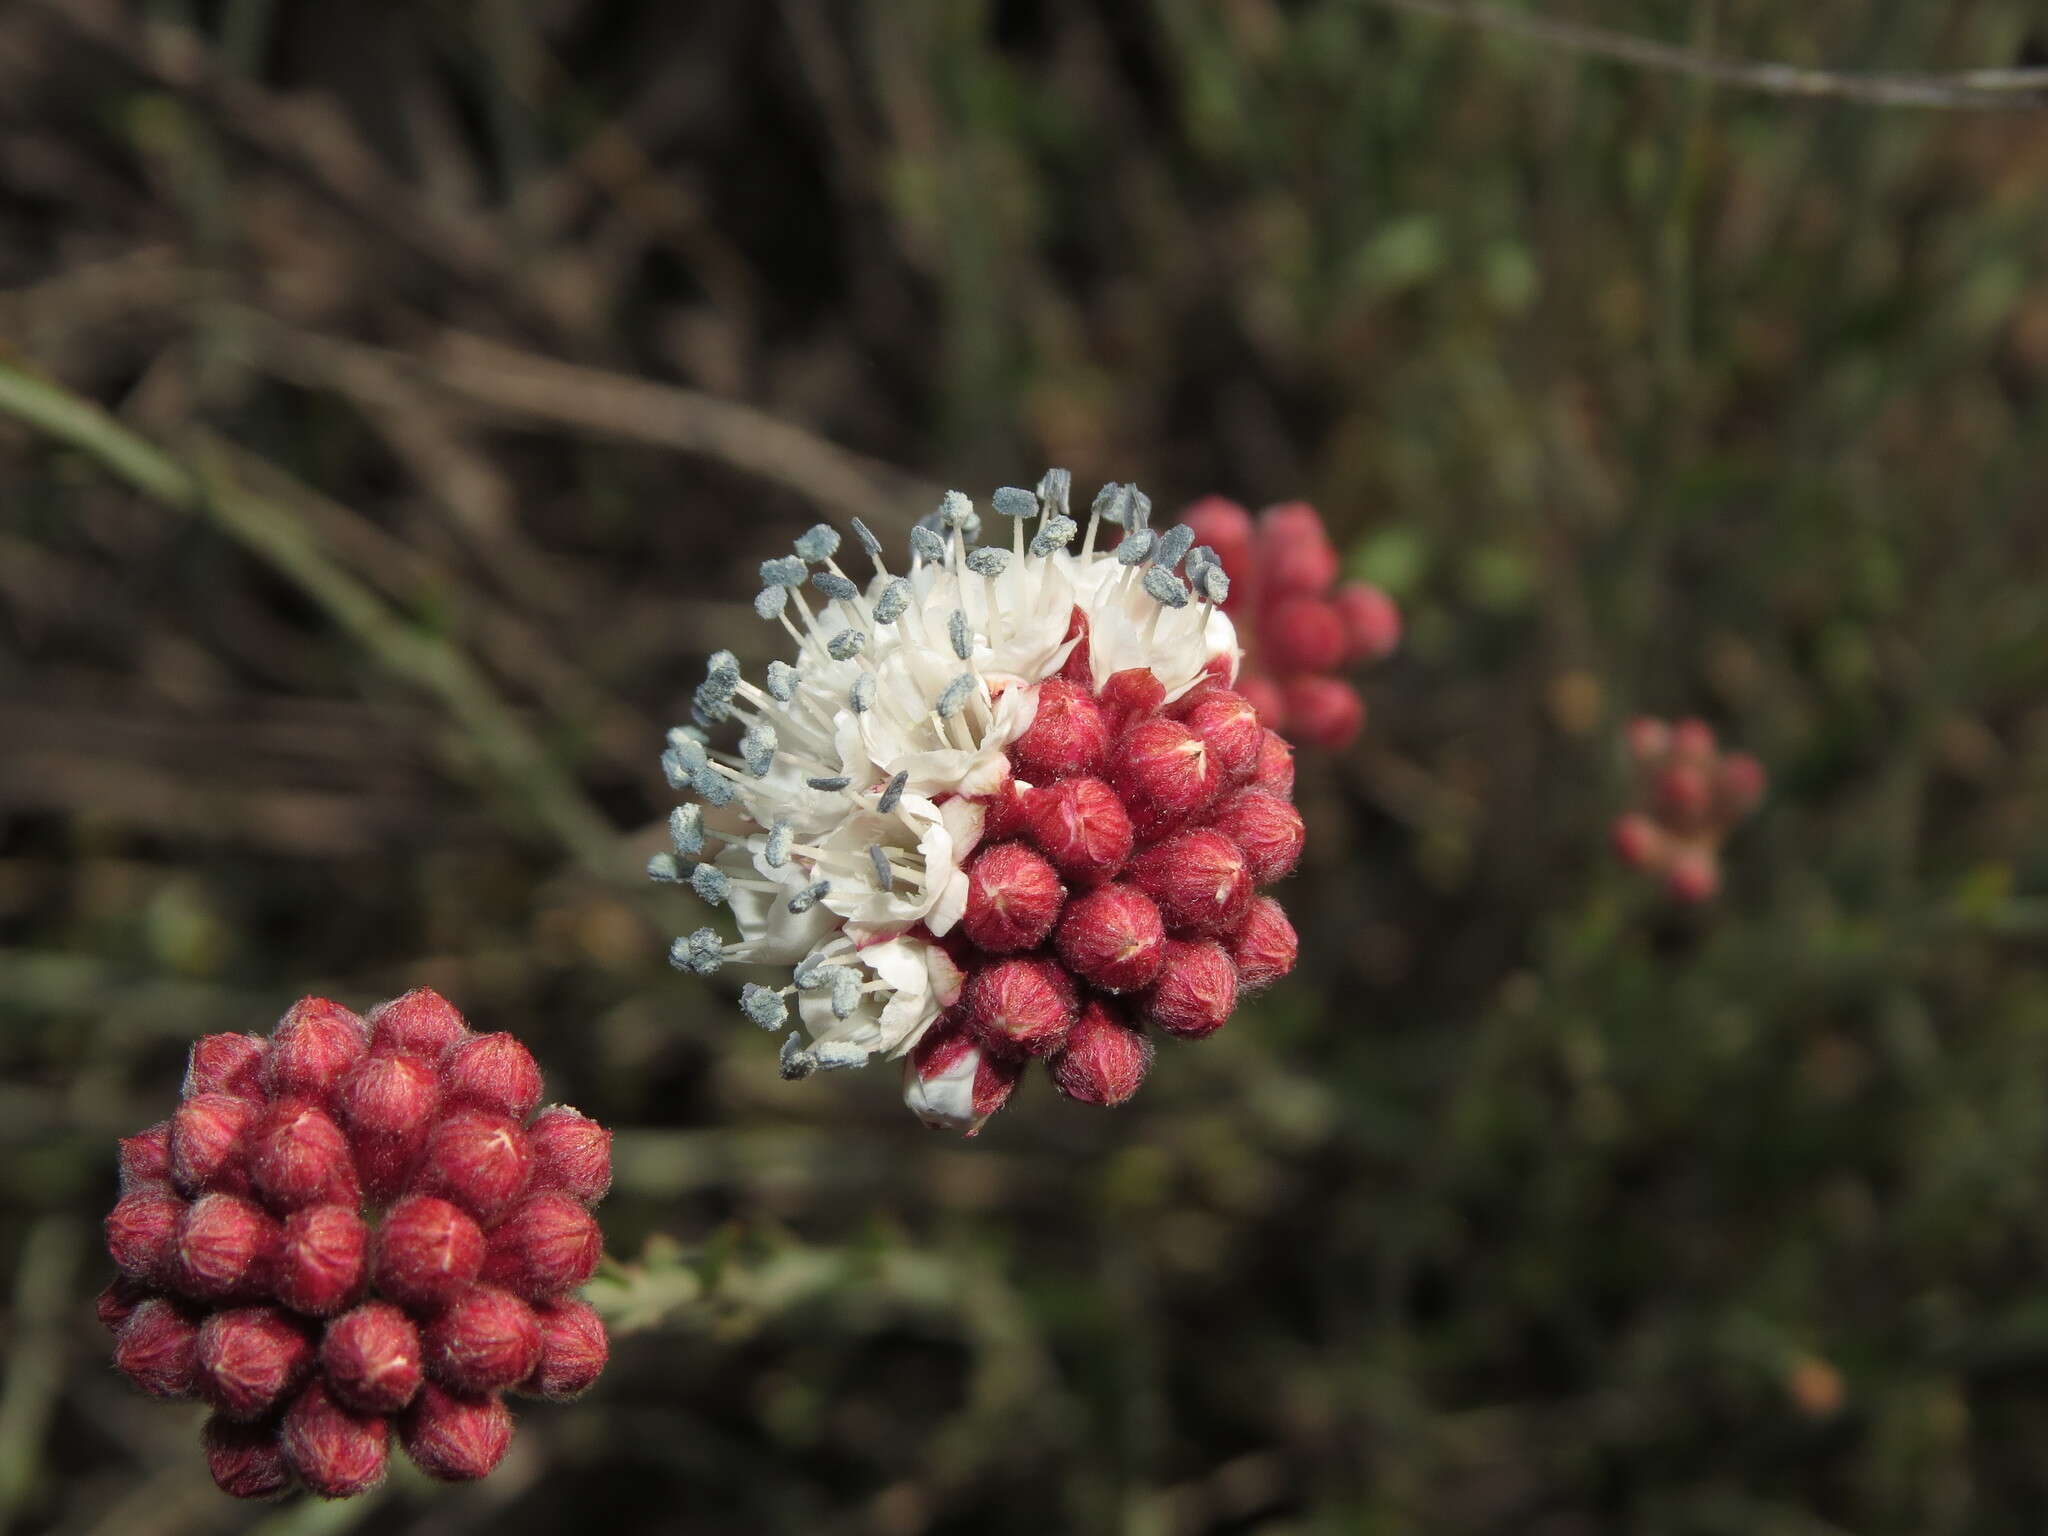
<point>1301,628</point>
<point>1691,794</point>
<point>954,825</point>
<point>352,1226</point>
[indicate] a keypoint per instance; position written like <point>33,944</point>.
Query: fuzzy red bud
<point>230,1064</point>
<point>249,1358</point>
<point>1684,797</point>
<point>245,1459</point>
<point>1265,946</point>
<point>1013,899</point>
<point>1113,938</point>
<point>227,1249</point>
<point>146,1159</point>
<point>420,1023</point>
<point>571,1153</point>
<point>1739,784</point>
<point>207,1135</point>
<point>323,1259</point>
<point>1324,712</point>
<point>428,1251</point>
<point>337,1451</point>
<point>493,1072</point>
<point>1303,634</point>
<point>1648,739</point>
<point>1068,735</point>
<point>118,1301</point>
<point>1165,774</point>
<point>477,1159</point>
<point>484,1340</point>
<point>1020,1007</point>
<point>142,1234</point>
<point>1692,739</point>
<point>313,1047</point>
<point>156,1347</point>
<point>1082,828</point>
<point>1295,554</point>
<point>1131,695</point>
<point>388,1104</point>
<point>299,1156</point>
<point>1200,882</point>
<point>373,1358</point>
<point>1372,622</point>
<point>1693,876</point>
<point>548,1245</point>
<point>455,1439</point>
<point>1196,990</point>
<point>573,1350</point>
<point>1228,724</point>
<point>1266,829</point>
<point>1104,1059</point>
<point>1275,773</point>
<point>1638,841</point>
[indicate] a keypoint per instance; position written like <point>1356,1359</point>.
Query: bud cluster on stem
<point>1690,795</point>
<point>353,1227</point>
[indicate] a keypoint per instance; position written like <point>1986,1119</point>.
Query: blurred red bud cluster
<point>1690,795</point>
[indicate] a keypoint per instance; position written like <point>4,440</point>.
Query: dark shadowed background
<point>461,362</point>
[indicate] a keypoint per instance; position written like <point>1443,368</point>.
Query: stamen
<point>1013,501</point>
<point>784,571</point>
<point>862,695</point>
<point>832,782</point>
<point>1165,587</point>
<point>763,1005</point>
<point>700,953</point>
<point>782,681</point>
<point>895,598</point>
<point>845,992</point>
<point>808,897</point>
<point>1136,548</point>
<point>797,1062</point>
<point>893,794</point>
<point>956,694</point>
<point>686,830</point>
<point>868,541</point>
<point>835,586</point>
<point>847,644</point>
<point>770,601</point>
<point>927,545</point>
<point>958,632</point>
<point>757,749</point>
<point>1173,545</point>
<point>711,883</point>
<point>780,836</point>
<point>885,872</point>
<point>1054,487</point>
<point>663,867</point>
<point>988,562</point>
<point>1056,532</point>
<point>819,543</point>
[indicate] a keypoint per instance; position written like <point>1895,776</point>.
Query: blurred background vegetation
<point>459,361</point>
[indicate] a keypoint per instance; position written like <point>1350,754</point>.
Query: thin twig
<point>1962,90</point>
<point>281,539</point>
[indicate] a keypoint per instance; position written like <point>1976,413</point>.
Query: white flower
<point>837,827</point>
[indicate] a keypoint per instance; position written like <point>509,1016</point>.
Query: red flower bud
<point>245,1459</point>
<point>313,1047</point>
<point>1638,841</point>
<point>493,1072</point>
<point>1199,880</point>
<point>1266,829</point>
<point>373,1358</point>
<point>1692,739</point>
<point>1020,1007</point>
<point>117,1303</point>
<point>1165,773</point>
<point>428,1251</point>
<point>486,1339</point>
<point>455,1439</point>
<point>227,1249</point>
<point>1004,813</point>
<point>334,1449</point>
<point>1013,899</point>
<point>1303,634</point>
<point>1076,668</point>
<point>1693,876</point>
<point>477,1159</point>
<point>298,1156</point>
<point>571,1153</point>
<point>230,1064</point>
<point>388,1103</point>
<point>1113,938</point>
<point>1295,553</point>
<point>324,1259</point>
<point>1104,1059</point>
<point>1683,795</point>
<point>249,1358</point>
<point>1265,945</point>
<point>1131,695</point>
<point>1196,990</point>
<point>952,1084</point>
<point>142,1234</point>
<point>421,1023</point>
<point>1275,773</point>
<point>1739,785</point>
<point>1228,724</point>
<point>1372,623</point>
<point>1324,712</point>
<point>548,1245</point>
<point>206,1143</point>
<point>155,1348</point>
<point>1263,694</point>
<point>146,1160</point>
<point>573,1351</point>
<point>1226,527</point>
<point>1067,736</point>
<point>1082,827</point>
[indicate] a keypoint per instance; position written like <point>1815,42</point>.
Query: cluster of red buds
<point>1116,887</point>
<point>1299,627</point>
<point>351,1227</point>
<point>1690,795</point>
